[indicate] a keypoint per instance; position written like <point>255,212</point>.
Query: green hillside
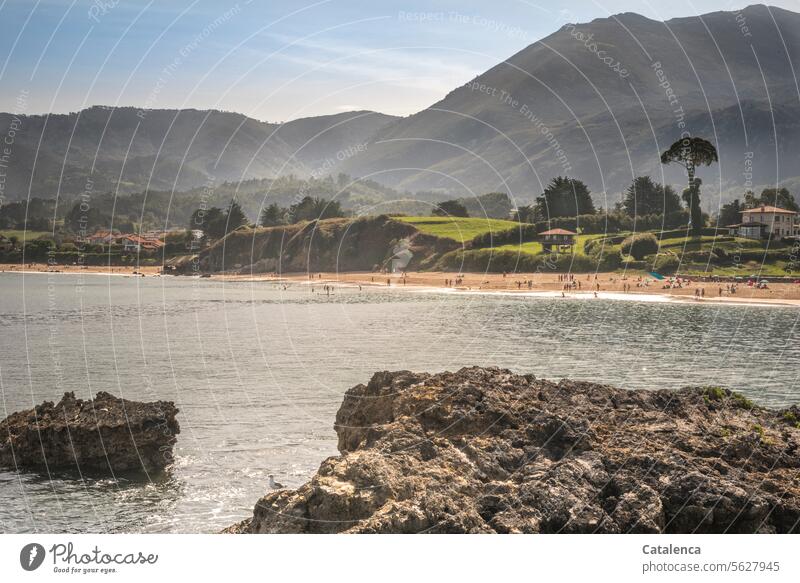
<point>458,228</point>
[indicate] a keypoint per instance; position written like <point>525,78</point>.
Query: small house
<point>558,239</point>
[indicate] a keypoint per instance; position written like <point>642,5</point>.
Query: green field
<point>457,228</point>
<point>23,236</point>
<point>534,247</point>
<point>732,256</point>
<point>707,243</point>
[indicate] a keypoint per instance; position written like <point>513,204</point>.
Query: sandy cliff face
<point>485,450</point>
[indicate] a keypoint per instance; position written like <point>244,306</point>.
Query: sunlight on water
<point>258,373</point>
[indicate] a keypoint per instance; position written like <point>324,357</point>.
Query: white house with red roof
<point>768,221</point>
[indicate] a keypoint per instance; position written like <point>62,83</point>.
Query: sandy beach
<point>583,286</point>
<point>98,269</point>
<point>606,285</point>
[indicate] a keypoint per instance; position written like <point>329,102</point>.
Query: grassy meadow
<point>706,254</point>
<point>458,228</point>
<point>25,236</point>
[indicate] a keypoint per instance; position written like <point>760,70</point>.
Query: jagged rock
<point>485,450</point>
<point>100,435</point>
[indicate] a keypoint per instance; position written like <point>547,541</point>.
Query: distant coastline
<point>612,286</point>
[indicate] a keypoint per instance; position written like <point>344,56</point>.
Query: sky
<point>276,60</point>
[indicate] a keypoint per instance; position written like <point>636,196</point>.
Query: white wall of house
<point>778,224</point>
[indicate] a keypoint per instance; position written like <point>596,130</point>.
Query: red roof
<point>558,232</point>
<point>770,209</point>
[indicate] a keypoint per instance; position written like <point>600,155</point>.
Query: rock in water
<point>100,435</point>
<point>485,450</point>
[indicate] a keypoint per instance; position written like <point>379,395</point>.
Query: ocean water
<point>259,371</point>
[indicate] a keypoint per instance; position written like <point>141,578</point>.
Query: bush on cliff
<point>641,245</point>
<point>666,264</point>
<point>494,261</point>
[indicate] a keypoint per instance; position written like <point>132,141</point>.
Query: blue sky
<point>275,60</point>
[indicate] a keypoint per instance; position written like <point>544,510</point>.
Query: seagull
<point>273,484</point>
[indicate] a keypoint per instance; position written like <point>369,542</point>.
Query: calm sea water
<point>258,373</point>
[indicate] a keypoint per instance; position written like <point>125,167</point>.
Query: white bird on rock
<point>273,484</point>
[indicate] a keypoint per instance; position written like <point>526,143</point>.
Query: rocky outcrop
<point>485,450</point>
<point>351,244</point>
<point>97,436</point>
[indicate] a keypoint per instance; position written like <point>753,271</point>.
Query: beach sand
<point>607,285</point>
<point>611,286</point>
<point>101,269</point>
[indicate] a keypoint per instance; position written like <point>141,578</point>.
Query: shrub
<point>640,245</point>
<point>741,401</point>
<point>715,393</point>
<point>666,264</point>
<point>488,260</point>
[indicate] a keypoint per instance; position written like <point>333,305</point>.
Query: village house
<point>129,242</point>
<point>135,243</point>
<point>558,239</point>
<point>102,238</point>
<point>764,222</point>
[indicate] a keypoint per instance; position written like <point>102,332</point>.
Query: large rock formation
<point>485,450</point>
<point>100,435</point>
<point>351,244</point>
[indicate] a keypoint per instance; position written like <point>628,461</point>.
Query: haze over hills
<point>597,101</point>
<point>108,149</point>
<point>733,83</point>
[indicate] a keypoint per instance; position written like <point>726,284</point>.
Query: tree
<point>691,153</point>
<point>564,197</point>
<point>644,197</point>
<point>641,245</point>
<point>494,205</point>
<point>235,217</point>
<point>312,209</point>
<point>525,214</point>
<point>731,213</point>
<point>779,197</point>
<point>210,221</point>
<point>85,220</point>
<point>216,223</point>
<point>450,208</point>
<point>272,215</point>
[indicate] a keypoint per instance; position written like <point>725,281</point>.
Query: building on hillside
<point>102,238</point>
<point>151,245</point>
<point>764,222</point>
<point>558,239</point>
<point>752,230</point>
